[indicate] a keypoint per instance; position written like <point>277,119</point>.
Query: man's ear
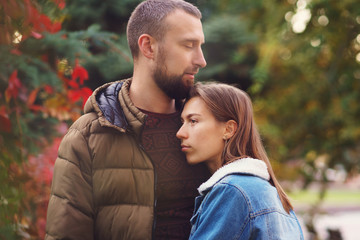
<point>230,129</point>
<point>147,45</point>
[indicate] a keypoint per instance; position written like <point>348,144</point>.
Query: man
<point>120,173</point>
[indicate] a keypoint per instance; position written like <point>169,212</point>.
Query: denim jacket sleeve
<point>223,214</point>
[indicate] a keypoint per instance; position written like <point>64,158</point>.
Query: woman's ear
<point>146,45</point>
<point>230,129</point>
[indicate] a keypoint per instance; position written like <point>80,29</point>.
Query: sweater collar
<point>245,166</point>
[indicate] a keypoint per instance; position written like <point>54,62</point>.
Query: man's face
<point>179,56</point>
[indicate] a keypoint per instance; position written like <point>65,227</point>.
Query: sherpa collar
<point>245,165</point>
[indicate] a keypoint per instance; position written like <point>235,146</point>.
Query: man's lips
<point>190,75</point>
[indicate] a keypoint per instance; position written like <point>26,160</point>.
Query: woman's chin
<point>191,162</point>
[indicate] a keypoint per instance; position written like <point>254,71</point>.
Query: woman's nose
<point>181,133</point>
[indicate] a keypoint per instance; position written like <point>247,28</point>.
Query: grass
<point>333,197</point>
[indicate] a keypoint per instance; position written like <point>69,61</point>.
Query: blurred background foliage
<point>299,60</point>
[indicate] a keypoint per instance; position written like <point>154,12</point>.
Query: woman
<point>242,199</point>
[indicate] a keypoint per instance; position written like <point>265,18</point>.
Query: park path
<point>346,220</point>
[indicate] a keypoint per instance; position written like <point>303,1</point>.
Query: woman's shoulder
<point>243,167</point>
<point>245,182</point>
<point>244,186</point>
<point>258,192</point>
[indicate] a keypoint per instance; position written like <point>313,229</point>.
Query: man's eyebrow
<point>192,40</point>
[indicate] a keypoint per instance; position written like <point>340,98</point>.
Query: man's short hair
<point>148,18</point>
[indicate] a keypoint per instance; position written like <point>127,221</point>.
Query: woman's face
<point>201,135</point>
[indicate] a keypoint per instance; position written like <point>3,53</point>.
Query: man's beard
<point>172,85</point>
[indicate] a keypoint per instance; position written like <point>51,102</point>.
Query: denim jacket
<point>238,202</point>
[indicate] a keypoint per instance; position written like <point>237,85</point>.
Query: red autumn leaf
<point>47,25</point>
<point>36,35</point>
<point>40,22</point>
<point>40,169</point>
<point>45,58</point>
<point>12,90</point>
<point>5,6</point>
<point>44,22</point>
<point>32,97</point>
<point>33,16</point>
<point>86,93</point>
<point>41,225</point>
<point>16,52</point>
<point>5,123</point>
<point>48,89</point>
<point>61,76</point>
<point>55,27</point>
<point>36,108</point>
<point>60,3</point>
<point>82,93</point>
<point>28,10</point>
<point>31,100</point>
<point>73,95</point>
<point>73,84</point>
<point>81,73</point>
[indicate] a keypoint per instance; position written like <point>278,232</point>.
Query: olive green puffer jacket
<point>103,183</point>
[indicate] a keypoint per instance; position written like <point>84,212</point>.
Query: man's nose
<point>200,59</point>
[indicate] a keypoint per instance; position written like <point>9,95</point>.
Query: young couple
<point>121,171</point>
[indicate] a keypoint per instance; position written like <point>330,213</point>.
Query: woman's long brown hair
<point>230,103</point>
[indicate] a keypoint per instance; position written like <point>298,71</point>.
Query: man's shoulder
<point>86,122</point>
<point>104,95</point>
<point>104,106</point>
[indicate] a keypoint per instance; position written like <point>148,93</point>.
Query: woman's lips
<point>184,148</point>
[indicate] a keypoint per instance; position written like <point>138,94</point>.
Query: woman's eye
<point>193,121</point>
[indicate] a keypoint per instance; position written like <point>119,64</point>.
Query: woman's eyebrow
<point>191,115</point>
